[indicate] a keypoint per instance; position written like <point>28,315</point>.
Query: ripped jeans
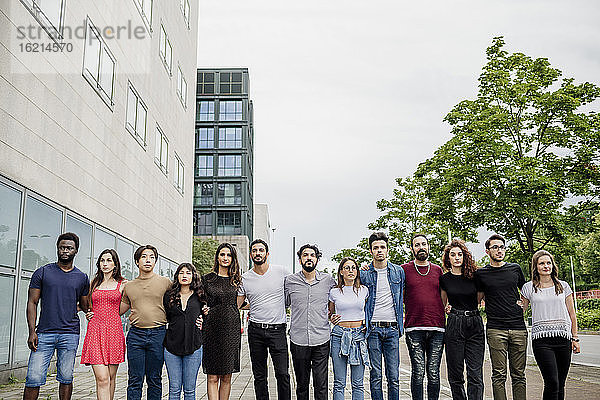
<point>425,350</point>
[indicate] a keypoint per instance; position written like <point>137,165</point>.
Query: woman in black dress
<point>222,326</point>
<point>464,328</point>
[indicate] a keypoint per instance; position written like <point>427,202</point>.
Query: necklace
<point>419,272</point>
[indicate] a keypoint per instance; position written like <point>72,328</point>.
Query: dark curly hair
<point>195,285</point>
<point>310,246</point>
<point>234,268</point>
<point>468,266</point>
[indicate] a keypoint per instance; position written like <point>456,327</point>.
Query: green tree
<point>405,214</point>
<point>523,157</point>
<point>588,251</point>
<point>203,254</point>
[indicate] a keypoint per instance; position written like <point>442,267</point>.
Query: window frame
<point>162,50</point>
<point>139,102</point>
<point>224,103</point>
<point>184,6</point>
<point>179,175</point>
<point>103,49</point>
<point>181,87</point>
<point>55,33</point>
<point>158,160</point>
<point>140,5</point>
<point>223,157</point>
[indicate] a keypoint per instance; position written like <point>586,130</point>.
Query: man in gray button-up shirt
<point>307,294</point>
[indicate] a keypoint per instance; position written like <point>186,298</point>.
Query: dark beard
<point>309,269</point>
<point>421,256</point>
<point>66,260</point>
<point>261,262</point>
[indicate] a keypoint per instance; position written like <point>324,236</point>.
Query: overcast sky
<point>349,95</point>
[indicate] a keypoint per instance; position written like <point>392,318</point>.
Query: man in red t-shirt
<point>424,319</point>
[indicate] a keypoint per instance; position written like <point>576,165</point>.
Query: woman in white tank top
<point>348,343</point>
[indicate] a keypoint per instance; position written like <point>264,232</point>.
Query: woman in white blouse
<point>348,343</point>
<point>554,323</point>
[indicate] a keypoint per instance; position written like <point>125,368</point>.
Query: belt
<point>470,313</point>
<point>384,324</point>
<point>267,326</point>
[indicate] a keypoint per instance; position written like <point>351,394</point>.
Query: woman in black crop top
<point>464,328</point>
<point>183,340</point>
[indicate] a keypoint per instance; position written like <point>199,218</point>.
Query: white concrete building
<point>97,110</point>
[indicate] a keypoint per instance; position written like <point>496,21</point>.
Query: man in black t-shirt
<point>499,283</point>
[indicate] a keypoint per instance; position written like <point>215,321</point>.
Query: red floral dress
<point>104,341</point>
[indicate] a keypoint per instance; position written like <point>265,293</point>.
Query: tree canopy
<point>203,254</point>
<point>523,161</point>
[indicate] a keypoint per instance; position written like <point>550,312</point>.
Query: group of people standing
<point>194,321</point>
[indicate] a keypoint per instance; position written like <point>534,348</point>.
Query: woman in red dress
<point>104,343</point>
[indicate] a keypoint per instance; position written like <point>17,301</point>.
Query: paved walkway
<point>583,382</point>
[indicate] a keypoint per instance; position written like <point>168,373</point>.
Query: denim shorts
<point>65,345</point>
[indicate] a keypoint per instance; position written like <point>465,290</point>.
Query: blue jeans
<point>65,345</point>
<point>425,350</point>
<point>183,371</point>
<point>340,364</point>
<point>384,341</point>
<point>145,358</point>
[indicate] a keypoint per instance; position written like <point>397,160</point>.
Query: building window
<point>204,165</point>
<point>166,50</point>
<point>230,83</point>
<point>41,227</point>
<point>49,13</point>
<point>203,194</point>
<point>229,223</point>
<point>205,111</point>
<point>137,113</point>
<point>161,153</point>
<point>203,223</point>
<point>184,5</point>
<point>145,8</point>
<point>98,64</point>
<point>179,174</point>
<point>9,225</point>
<point>230,165</point>
<point>206,83</point>
<point>230,110</point>
<point>181,87</point>
<point>205,138</point>
<point>230,138</point>
<point>229,194</point>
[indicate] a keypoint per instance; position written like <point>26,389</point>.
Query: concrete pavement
<point>583,382</point>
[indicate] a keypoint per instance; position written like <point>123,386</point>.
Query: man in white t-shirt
<point>263,288</point>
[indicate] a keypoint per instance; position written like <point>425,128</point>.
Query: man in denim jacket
<point>383,313</point>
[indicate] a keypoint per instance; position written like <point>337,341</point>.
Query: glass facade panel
<point>42,226</point>
<point>229,194</point>
<point>230,110</point>
<point>206,83</point>
<point>203,195</point>
<point>21,351</point>
<point>7,285</point>
<point>230,138</point>
<point>83,259</point>
<point>102,240</point>
<point>125,251</point>
<point>107,73</point>
<point>230,165</point>
<point>203,223</point>
<point>204,165</point>
<point>229,223</point>
<point>205,138</point>
<point>205,111</point>
<point>10,210</point>
<point>230,83</point>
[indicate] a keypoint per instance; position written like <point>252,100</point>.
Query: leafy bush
<point>588,304</point>
<point>588,319</point>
